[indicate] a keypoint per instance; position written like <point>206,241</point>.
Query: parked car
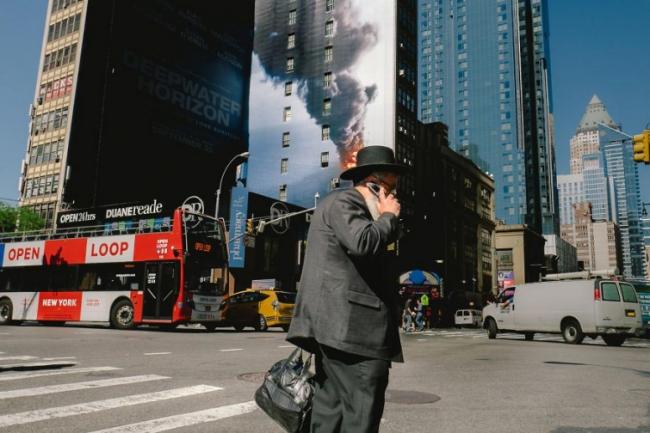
<point>574,308</point>
<point>468,318</point>
<point>260,309</point>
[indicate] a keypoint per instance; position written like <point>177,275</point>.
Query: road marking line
<point>285,346</point>
<point>59,358</point>
<point>478,336</point>
<point>156,353</point>
<point>184,420</point>
<point>76,386</point>
<point>421,339</point>
<point>17,358</point>
<point>5,333</point>
<point>97,406</point>
<point>230,350</point>
<point>30,374</point>
<point>34,365</point>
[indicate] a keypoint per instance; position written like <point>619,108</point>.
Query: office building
<point>454,231</point>
<point>570,191</point>
<point>329,77</point>
<point>137,101</point>
<point>600,149</point>
<point>597,242</point>
<point>484,69</point>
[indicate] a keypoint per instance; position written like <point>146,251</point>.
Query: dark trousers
<point>349,396</point>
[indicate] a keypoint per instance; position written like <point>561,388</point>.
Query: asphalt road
<point>188,380</point>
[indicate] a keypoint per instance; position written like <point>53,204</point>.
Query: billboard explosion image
<point>312,108</point>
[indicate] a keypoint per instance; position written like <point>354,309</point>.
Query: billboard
<point>322,86</point>
<point>162,100</point>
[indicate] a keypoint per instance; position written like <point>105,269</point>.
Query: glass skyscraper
<point>600,150</point>
<point>484,71</point>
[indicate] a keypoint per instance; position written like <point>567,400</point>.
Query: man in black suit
<point>346,312</point>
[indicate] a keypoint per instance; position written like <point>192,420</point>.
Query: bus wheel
<point>614,340</point>
<point>5,312</point>
<point>529,336</point>
<point>261,324</point>
<point>491,329</point>
<point>572,332</point>
<point>122,315</point>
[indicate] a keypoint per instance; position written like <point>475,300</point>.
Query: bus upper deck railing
<point>111,229</point>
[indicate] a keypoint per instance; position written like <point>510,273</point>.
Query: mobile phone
<point>374,188</point>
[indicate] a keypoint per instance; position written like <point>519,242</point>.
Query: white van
<point>468,318</point>
<point>575,309</point>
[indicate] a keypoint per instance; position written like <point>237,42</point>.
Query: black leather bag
<point>287,392</point>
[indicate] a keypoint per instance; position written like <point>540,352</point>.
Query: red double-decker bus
<point>162,274</point>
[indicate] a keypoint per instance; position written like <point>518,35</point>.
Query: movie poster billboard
<point>162,101</point>
<point>322,87</point>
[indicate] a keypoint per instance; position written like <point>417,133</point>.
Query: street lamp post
<point>216,206</point>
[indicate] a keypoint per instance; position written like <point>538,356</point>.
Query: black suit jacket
<point>346,298</point>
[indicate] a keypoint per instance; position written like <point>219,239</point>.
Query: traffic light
<point>642,147</point>
<point>250,228</point>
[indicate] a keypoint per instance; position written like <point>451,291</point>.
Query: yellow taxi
<point>260,309</point>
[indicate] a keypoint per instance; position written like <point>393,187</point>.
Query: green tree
<point>19,219</point>
<point>29,220</point>
<point>8,217</point>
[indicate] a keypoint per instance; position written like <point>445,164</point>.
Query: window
<point>293,14</point>
<point>329,5</point>
<point>286,115</point>
<point>329,29</point>
<point>329,54</point>
<point>286,139</point>
<point>283,193</point>
<point>610,292</point>
<point>327,107</point>
<point>288,87</point>
<point>324,159</point>
<point>629,293</point>
<point>284,165</point>
<point>291,41</point>
<point>290,64</point>
<point>325,133</point>
<point>327,80</point>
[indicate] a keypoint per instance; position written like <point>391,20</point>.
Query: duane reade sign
<point>104,214</point>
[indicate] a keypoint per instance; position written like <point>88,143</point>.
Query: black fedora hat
<point>371,159</point>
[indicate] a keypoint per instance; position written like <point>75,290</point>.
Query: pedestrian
<point>419,315</point>
<point>427,311</point>
<point>407,316</point>
<point>346,311</point>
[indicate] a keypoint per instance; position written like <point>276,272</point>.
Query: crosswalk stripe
<point>100,405</point>
<point>17,358</point>
<point>59,358</point>
<point>76,386</point>
<point>31,374</point>
<point>230,350</point>
<point>184,420</point>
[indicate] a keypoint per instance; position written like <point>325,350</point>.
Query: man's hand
<point>388,203</point>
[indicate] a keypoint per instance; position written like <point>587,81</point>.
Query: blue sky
<point>597,46</point>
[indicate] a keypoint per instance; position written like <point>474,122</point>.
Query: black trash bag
<point>287,392</point>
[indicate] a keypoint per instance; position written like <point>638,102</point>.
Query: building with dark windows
<point>453,231</point>
<point>137,101</point>
<point>484,70</point>
<point>329,77</point>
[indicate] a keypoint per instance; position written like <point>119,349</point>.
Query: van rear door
<point>609,310</point>
<point>632,309</point>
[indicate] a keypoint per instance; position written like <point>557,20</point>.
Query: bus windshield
<point>206,254</point>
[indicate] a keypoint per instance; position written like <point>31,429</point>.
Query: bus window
<point>63,278</point>
<point>111,277</point>
<point>35,279</point>
<point>10,280</point>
